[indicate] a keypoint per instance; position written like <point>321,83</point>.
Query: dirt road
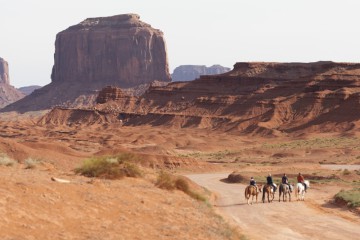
<point>289,220</point>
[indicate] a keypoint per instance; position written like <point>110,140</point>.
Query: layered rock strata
<point>256,98</point>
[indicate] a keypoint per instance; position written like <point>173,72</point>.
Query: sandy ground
<point>34,207</point>
<point>289,220</point>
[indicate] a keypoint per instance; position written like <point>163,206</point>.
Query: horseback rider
<point>285,180</point>
<point>270,182</point>
<point>253,183</point>
<point>300,179</point>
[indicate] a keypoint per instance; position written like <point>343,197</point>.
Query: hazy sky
<point>203,32</point>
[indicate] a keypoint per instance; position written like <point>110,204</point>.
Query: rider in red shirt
<point>300,179</point>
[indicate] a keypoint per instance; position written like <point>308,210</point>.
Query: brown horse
<point>252,191</point>
<point>268,189</point>
<point>284,189</point>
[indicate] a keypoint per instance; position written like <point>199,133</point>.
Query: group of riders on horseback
<point>270,188</point>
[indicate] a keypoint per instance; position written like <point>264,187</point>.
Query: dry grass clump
<point>346,172</point>
<point>171,182</point>
<point>6,161</point>
<point>350,197</point>
<point>115,167</point>
<point>31,163</point>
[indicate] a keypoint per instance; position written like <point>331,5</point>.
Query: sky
<point>199,32</point>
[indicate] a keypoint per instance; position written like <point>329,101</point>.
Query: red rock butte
<point>119,51</point>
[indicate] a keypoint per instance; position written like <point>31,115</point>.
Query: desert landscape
<point>113,149</point>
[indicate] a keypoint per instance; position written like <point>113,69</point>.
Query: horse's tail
<point>246,195</point>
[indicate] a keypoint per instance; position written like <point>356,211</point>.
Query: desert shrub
<point>114,167</point>
<point>236,177</point>
<point>165,181</point>
<point>351,197</point>
<point>346,172</point>
<point>6,161</point>
<point>170,182</point>
<point>31,163</point>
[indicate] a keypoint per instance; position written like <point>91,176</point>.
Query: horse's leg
<point>263,196</point>
<point>279,194</point>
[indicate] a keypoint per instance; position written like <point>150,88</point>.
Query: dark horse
<point>284,189</point>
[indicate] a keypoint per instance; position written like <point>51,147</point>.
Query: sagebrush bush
<point>6,161</point>
<point>31,163</point>
<point>346,172</point>
<point>171,182</point>
<point>113,167</point>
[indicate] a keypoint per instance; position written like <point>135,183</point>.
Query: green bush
<point>346,172</point>
<point>351,197</point>
<point>170,182</point>
<point>114,167</point>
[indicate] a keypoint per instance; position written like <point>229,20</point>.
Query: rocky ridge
<point>255,98</point>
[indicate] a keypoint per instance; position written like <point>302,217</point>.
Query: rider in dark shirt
<point>252,181</point>
<point>285,180</point>
<point>269,181</point>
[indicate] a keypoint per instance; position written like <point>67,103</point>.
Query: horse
<point>252,191</point>
<point>284,189</point>
<point>268,189</point>
<point>300,190</point>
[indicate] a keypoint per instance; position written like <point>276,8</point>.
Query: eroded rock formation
<point>256,98</point>
<point>8,94</point>
<point>108,94</point>
<point>4,72</point>
<point>191,72</point>
<point>119,51</point>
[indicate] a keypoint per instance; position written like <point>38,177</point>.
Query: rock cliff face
<point>191,72</point>
<point>255,98</point>
<point>108,94</point>
<point>118,51</point>
<point>8,94</point>
<point>4,72</point>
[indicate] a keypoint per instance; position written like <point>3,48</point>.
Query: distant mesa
<point>8,94</point>
<point>191,72</point>
<point>119,50</point>
<point>28,89</point>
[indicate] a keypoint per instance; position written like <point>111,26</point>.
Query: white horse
<point>300,190</point>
